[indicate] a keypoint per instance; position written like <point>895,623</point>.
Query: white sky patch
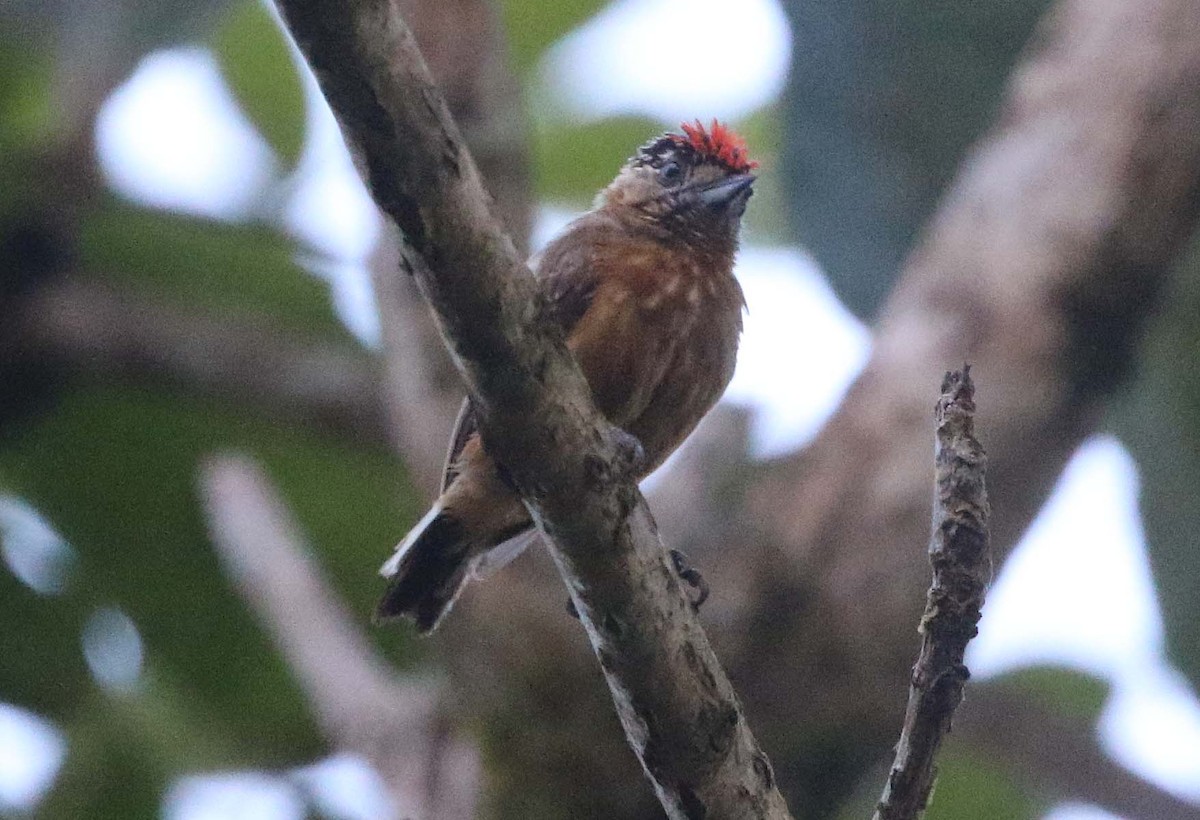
<point>331,210</point>
<point>233,796</point>
<point>673,59</point>
<point>353,296</point>
<point>32,750</point>
<point>1079,811</point>
<point>346,787</point>
<point>172,136</point>
<point>31,549</point>
<point>1077,589</point>
<point>800,348</point>
<point>330,207</point>
<point>113,650</point>
<point>550,223</point>
<point>1152,725</point>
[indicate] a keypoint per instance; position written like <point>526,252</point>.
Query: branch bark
<point>962,567</point>
<point>575,471</point>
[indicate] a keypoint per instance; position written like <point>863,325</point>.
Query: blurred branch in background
<point>362,705</point>
<point>1057,754</point>
<point>1042,266</point>
<point>88,325</point>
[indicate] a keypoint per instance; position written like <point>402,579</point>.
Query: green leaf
<point>210,264</point>
<point>43,668</point>
<point>28,120</point>
<point>104,776</point>
<point>26,110</point>
<point>83,53</point>
<point>114,469</point>
<point>968,785</point>
<point>971,786</point>
<point>1059,690</point>
<point>534,26</point>
<point>766,218</point>
<point>573,161</point>
<point>262,74</point>
<point>137,742</point>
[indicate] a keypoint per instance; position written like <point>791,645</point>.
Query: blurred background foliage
<point>882,103</point>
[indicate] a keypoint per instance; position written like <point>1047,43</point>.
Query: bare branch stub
<point>962,567</point>
<point>676,705</point>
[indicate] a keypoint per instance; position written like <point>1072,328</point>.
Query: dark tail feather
<point>430,569</point>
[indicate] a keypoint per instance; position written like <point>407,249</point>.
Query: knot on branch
<point>623,464</point>
<point>957,400</point>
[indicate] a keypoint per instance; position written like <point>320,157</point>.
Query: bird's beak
<point>724,193</point>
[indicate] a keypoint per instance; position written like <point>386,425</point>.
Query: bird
<point>643,288</point>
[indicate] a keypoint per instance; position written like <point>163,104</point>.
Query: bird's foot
<point>692,577</point>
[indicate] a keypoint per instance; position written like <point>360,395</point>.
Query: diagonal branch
<point>678,709</point>
<point>962,566</point>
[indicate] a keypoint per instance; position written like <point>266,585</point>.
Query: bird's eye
<point>670,173</point>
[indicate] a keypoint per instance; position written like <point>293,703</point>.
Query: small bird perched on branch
<point>643,287</point>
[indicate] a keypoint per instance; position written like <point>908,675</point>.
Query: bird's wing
<point>465,426</point>
<point>601,304</point>
<point>569,284</point>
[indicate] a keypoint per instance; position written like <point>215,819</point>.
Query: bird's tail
<point>427,572</point>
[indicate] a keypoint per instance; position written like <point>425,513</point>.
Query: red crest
<point>719,144</point>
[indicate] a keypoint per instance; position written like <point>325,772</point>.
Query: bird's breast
<point>697,320</point>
